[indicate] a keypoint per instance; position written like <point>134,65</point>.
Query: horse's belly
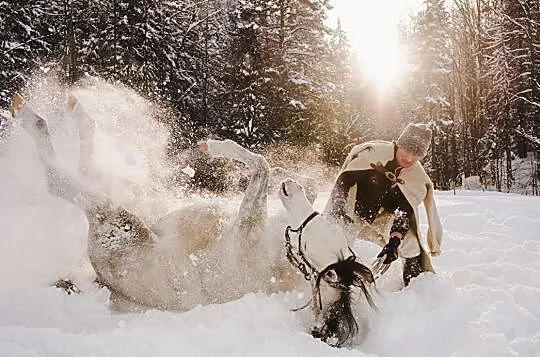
<point>193,228</point>
<point>152,280</point>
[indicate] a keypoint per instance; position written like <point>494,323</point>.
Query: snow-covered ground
<point>484,301</point>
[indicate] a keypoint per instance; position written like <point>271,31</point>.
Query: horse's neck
<point>298,211</point>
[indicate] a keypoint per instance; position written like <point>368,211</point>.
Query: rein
<point>298,259</point>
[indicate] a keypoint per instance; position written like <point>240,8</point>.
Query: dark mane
<point>340,325</point>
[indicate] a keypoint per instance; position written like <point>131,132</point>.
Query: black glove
<point>390,250</point>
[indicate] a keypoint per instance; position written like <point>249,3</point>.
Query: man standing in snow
<point>377,194</point>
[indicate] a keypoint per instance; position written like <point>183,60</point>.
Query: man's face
<point>406,158</point>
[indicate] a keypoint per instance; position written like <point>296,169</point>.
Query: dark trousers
<point>411,269</point>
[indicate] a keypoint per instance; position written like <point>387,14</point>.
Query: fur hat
<point>415,138</point>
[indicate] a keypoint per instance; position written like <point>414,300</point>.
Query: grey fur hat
<point>415,138</point>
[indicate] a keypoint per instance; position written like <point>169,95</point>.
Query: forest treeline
<point>266,72</point>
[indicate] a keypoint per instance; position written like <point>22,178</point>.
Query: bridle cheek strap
<point>298,259</point>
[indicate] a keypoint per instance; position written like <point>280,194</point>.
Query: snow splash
<point>128,157</point>
<point>129,164</point>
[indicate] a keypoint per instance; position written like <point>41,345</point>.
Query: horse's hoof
<point>71,102</point>
<point>68,286</point>
<point>202,146</point>
<point>16,104</point>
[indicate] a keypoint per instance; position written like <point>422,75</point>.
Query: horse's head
<point>335,323</point>
<point>319,249</point>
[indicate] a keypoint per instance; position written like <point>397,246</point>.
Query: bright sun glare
<point>371,27</point>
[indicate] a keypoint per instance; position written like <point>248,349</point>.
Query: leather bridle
<point>299,260</point>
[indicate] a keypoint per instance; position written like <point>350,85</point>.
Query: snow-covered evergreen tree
<point>28,39</point>
<point>468,95</point>
<point>277,79</point>
<point>521,35</point>
<point>430,88</point>
<point>346,123</point>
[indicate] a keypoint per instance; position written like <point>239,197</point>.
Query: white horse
<point>202,254</point>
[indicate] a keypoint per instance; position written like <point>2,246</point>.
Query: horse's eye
<point>331,276</point>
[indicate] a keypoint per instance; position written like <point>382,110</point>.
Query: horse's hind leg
<point>59,183</point>
<point>253,209</point>
<point>86,127</point>
<point>119,243</point>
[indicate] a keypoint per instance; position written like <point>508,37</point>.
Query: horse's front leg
<point>253,209</point>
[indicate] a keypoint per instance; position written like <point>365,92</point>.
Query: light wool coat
<point>416,187</point>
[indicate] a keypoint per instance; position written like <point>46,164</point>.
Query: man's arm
<point>338,196</point>
<point>403,212</point>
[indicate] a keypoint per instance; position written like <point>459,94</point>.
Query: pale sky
<point>371,29</point>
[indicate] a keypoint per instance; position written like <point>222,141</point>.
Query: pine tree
<point>429,84</point>
<point>469,83</point>
<point>522,37</point>
<point>276,80</point>
<point>28,40</point>
<point>513,88</point>
<point>307,61</point>
<point>243,99</point>
<point>346,123</point>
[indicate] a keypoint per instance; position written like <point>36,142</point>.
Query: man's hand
<point>387,255</point>
<point>390,250</point>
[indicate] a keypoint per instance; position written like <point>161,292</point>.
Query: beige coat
<point>416,187</point>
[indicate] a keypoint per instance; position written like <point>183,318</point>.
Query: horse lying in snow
<point>152,267</point>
